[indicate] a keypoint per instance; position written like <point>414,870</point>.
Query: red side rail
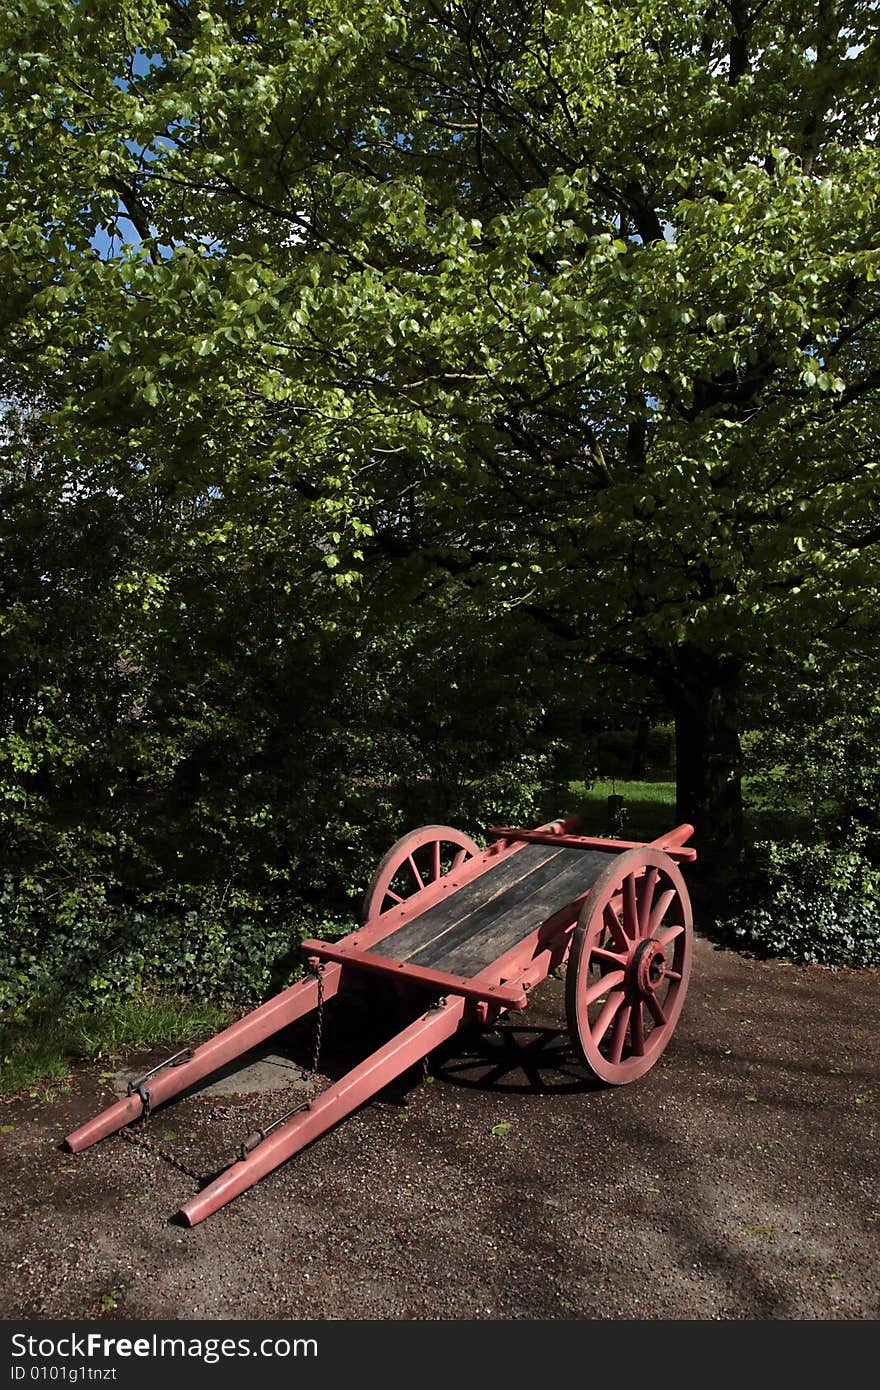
<point>672,843</point>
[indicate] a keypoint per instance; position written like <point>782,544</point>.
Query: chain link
<point>141,1140</point>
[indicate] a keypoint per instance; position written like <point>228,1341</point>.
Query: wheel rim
<point>418,859</point>
<point>629,966</point>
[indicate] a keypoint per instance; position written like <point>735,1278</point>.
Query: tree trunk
<point>708,757</point>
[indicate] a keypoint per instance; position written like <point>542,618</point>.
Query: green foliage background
<point>209,744</point>
<point>198,771</point>
<point>394,394</point>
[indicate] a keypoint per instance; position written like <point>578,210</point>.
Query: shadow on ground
<point>737,1180</point>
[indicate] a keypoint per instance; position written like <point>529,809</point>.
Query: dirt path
<point>739,1179</point>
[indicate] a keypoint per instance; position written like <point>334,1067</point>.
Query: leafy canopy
<point>562,312</point>
<point>579,299</point>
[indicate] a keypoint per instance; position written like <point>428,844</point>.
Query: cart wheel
<point>419,858</point>
<point>630,961</point>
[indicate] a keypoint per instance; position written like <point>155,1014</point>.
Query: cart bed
<point>474,926</point>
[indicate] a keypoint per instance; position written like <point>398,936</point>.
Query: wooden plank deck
<point>478,923</point>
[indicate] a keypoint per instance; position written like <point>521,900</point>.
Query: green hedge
<point>808,902</point>
<point>206,745</point>
<point>207,943</point>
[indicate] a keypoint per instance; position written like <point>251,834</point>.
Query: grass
<point>650,809</point>
<point>36,1049</point>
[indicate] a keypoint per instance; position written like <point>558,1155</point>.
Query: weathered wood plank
<point>452,910</point>
<point>494,929</point>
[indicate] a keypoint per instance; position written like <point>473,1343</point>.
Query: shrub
<point>808,902</point>
<point>213,943</point>
<point>815,754</point>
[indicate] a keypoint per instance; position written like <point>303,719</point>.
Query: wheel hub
<point>649,966</point>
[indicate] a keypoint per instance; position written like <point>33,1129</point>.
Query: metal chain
<point>257,1137</point>
<point>141,1140</point>
<point>317,969</point>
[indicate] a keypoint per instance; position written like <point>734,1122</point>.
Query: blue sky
<point>108,241</point>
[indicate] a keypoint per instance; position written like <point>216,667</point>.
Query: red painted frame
<point>669,845</point>
<point>503,985</point>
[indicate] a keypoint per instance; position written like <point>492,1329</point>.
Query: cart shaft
<point>359,1085</point>
<point>238,1038</point>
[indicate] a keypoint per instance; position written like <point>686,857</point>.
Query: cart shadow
<point>513,1059</point>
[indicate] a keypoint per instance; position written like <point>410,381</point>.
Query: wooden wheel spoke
<point>646,898</point>
<point>618,1036</point>
<point>630,907</point>
<point>637,1030</point>
<point>612,922</point>
<point>602,986</point>
<point>414,862</point>
<point>659,910</point>
<point>655,1008</point>
<point>667,937</point>
<point>609,1009</point>
<point>615,958</point>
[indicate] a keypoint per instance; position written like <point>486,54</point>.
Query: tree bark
<point>705,698</point>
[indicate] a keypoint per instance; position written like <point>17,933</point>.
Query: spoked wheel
<point>629,965</point>
<point>419,858</point>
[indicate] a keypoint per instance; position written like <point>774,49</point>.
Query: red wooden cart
<point>474,931</point>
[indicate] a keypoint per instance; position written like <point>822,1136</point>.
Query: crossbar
<point>439,981</point>
<point>671,843</point>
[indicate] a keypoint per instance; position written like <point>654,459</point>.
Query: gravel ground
<point>737,1180</point>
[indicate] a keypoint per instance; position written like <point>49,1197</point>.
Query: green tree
<point>573,305</point>
<point>205,743</point>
